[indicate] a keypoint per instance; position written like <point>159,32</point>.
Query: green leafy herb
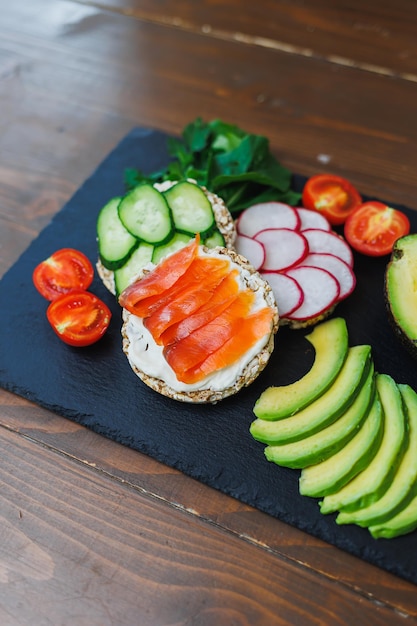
<point>236,165</point>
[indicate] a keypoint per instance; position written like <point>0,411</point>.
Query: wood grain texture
<point>102,534</point>
<point>378,39</point>
<point>56,79</point>
<point>85,539</point>
<point>153,479</point>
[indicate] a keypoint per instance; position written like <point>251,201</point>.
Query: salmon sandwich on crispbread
<point>200,325</point>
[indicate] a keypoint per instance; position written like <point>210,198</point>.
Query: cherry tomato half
<point>331,195</point>
<point>63,271</point>
<point>79,318</point>
<point>374,228</point>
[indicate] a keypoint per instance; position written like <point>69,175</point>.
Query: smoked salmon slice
<point>195,274</point>
<point>198,285</point>
<point>194,349</point>
<point>248,332</point>
<point>161,278</point>
<point>223,295</point>
<point>195,306</point>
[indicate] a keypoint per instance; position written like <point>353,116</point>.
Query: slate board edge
<point>371,557</point>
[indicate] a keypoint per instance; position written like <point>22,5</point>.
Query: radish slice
<point>267,215</point>
<point>342,272</point>
<point>251,249</point>
<point>283,248</point>
<point>328,242</point>
<point>288,293</point>
<point>312,219</point>
<point>320,288</point>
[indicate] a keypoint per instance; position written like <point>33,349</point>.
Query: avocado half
<point>401,291</point>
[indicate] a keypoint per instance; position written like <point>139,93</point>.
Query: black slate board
<point>96,387</point>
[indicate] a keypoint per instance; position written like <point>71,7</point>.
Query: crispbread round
<point>249,373</point>
<point>224,221</point>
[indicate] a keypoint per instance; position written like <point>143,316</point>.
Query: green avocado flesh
<point>374,480</point>
<point>329,440</point>
<point>399,493</point>
<point>280,402</point>
<point>401,290</point>
<point>323,411</point>
<point>404,522</point>
<point>355,444</point>
<point>332,474</point>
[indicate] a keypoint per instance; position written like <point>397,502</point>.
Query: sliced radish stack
<point>312,219</point>
<point>320,289</point>
<point>251,249</point>
<point>283,248</point>
<point>338,268</point>
<point>267,215</point>
<point>308,266</point>
<point>287,292</point>
<point>328,242</point>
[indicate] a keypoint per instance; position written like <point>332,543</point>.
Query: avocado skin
<point>399,294</point>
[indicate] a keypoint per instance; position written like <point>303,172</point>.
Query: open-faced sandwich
<point>200,324</point>
<point>151,221</point>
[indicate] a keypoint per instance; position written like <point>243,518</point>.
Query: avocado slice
<point>375,479</point>
<point>323,411</point>
<point>402,488</point>
<point>401,291</point>
<point>328,476</point>
<point>326,442</point>
<point>404,522</point>
<point>279,402</point>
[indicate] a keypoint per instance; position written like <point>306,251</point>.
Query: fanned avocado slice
<point>402,488</point>
<point>374,480</point>
<point>329,440</point>
<point>332,474</point>
<point>401,291</point>
<point>323,411</point>
<point>276,403</point>
<point>401,524</point>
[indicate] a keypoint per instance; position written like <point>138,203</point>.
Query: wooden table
<point>92,532</point>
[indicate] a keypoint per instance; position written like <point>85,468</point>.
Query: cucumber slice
<point>191,209</point>
<point>137,261</point>
<point>115,242</point>
<point>179,240</point>
<point>214,239</point>
<point>146,214</point>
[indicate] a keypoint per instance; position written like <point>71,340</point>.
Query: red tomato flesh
<point>79,318</point>
<point>333,196</point>
<point>63,271</point>
<point>374,228</point>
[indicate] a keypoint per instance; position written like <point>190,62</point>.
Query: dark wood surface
<point>93,532</point>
